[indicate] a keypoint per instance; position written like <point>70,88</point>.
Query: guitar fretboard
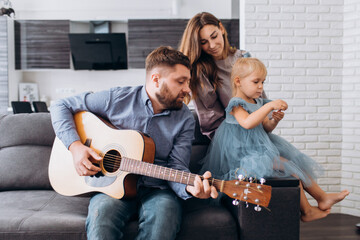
<point>156,171</point>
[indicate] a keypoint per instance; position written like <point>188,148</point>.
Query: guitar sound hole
<point>112,161</point>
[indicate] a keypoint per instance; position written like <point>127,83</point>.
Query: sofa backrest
<point>199,147</point>
<point>25,147</point>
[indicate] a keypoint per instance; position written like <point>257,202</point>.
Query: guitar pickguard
<point>99,181</point>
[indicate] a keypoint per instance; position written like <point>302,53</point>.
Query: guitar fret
<point>128,163</point>
<point>131,165</point>
<point>173,174</point>
<point>144,169</point>
<point>157,171</point>
<point>162,172</point>
<point>137,167</point>
<point>154,170</point>
<point>124,163</point>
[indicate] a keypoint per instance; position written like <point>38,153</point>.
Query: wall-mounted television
<point>95,51</point>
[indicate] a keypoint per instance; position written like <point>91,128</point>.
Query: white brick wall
<point>351,107</point>
<point>303,43</point>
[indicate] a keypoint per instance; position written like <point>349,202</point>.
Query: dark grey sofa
<point>30,209</point>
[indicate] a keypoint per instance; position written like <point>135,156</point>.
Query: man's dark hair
<point>166,56</point>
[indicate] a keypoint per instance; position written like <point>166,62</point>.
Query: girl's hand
<point>278,116</point>
<point>279,105</point>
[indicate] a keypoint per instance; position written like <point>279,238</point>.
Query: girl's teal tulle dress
<point>253,152</point>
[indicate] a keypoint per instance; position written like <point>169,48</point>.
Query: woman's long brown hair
<point>202,63</point>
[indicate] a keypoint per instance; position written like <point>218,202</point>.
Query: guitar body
<point>106,141</point>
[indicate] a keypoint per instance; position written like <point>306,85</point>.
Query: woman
<point>206,44</point>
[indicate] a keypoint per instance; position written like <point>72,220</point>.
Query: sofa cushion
<point>201,220</point>
<point>42,214</point>
<point>31,129</point>
<point>25,151</point>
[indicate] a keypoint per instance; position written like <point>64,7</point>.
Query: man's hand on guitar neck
<point>82,157</point>
<point>202,189</point>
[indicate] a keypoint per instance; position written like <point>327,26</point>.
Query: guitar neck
<point>160,172</point>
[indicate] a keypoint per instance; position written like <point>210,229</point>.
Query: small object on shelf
<point>28,92</point>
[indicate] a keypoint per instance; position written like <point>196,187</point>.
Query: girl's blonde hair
<point>202,63</point>
<point>243,67</point>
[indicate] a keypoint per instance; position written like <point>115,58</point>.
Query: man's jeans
<point>159,212</point>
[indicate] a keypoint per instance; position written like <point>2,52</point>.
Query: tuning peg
<point>251,179</point>
<point>262,181</point>
<point>241,177</point>
<point>246,204</point>
<point>257,208</point>
<point>235,202</point>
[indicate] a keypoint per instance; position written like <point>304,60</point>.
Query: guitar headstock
<point>250,192</point>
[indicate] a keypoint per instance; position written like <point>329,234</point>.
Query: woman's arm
<point>209,108</point>
<point>249,121</point>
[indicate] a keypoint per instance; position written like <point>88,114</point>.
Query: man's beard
<point>166,99</point>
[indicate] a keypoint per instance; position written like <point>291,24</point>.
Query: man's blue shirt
<point>131,108</point>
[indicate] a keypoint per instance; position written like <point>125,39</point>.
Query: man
<point>157,110</point>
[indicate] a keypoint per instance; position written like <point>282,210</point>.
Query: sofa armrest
<point>281,221</point>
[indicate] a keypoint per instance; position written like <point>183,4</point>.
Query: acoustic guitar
<point>125,155</point>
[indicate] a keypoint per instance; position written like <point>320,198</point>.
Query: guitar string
<point>166,172</point>
<point>117,159</point>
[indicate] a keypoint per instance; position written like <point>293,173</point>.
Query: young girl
<point>244,144</point>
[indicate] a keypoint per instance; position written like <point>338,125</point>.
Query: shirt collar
<point>144,96</point>
<point>146,101</point>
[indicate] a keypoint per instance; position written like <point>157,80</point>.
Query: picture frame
<point>28,92</point>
